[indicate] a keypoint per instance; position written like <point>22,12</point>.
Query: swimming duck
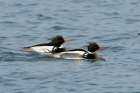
<point>54,46</point>
<point>81,53</point>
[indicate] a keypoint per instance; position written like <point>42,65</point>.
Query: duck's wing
<point>41,48</point>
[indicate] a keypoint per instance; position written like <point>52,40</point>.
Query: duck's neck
<point>91,52</point>
<point>58,50</point>
<point>95,55</point>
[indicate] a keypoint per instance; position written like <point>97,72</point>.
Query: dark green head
<point>57,41</point>
<point>94,46</point>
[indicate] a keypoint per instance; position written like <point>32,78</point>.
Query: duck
<point>54,46</point>
<point>81,53</point>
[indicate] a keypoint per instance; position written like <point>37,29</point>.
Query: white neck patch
<point>91,52</point>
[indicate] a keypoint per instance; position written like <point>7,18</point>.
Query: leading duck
<point>81,53</point>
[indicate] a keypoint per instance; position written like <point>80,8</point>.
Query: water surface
<point>112,23</point>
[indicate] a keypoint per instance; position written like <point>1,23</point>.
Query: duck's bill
<point>66,41</point>
<point>102,48</point>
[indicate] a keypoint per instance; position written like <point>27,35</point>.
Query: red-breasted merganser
<point>81,53</point>
<point>54,46</point>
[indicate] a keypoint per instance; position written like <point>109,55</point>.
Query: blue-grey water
<point>111,23</point>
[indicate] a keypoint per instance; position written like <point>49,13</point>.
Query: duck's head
<point>94,46</point>
<point>58,40</point>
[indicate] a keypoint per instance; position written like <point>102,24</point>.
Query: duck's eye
<point>60,40</point>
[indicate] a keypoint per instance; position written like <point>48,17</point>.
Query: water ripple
<point>112,23</point>
<point>59,28</point>
<point>131,21</point>
<point>7,22</point>
<point>42,17</point>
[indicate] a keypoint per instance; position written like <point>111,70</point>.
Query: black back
<point>56,41</point>
<point>58,50</point>
<point>77,50</point>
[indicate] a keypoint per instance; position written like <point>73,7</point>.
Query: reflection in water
<point>78,61</point>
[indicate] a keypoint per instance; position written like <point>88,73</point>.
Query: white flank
<point>42,49</point>
<point>75,52</point>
